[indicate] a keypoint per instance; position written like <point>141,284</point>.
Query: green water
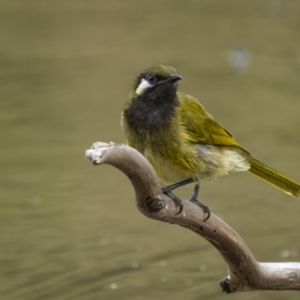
<point>72,231</point>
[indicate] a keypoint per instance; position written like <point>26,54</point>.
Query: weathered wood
<point>244,272</point>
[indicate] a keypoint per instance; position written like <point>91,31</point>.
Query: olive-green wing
<point>201,126</point>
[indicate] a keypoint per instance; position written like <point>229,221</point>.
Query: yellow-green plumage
<point>181,139</point>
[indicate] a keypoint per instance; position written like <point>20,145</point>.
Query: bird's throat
<point>152,111</point>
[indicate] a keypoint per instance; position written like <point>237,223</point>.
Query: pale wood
<point>244,272</point>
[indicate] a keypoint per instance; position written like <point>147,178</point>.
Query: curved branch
<point>245,273</point>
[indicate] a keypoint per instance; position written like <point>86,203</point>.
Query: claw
<point>176,200</point>
<point>180,209</point>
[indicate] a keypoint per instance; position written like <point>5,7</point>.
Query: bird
<point>182,141</point>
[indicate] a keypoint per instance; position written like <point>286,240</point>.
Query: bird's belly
<point>165,171</point>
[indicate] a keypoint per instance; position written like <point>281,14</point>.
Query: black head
<point>156,80</point>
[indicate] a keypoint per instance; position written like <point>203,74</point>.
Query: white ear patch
<point>143,86</point>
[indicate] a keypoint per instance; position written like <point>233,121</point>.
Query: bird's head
<point>153,99</point>
<point>156,80</point>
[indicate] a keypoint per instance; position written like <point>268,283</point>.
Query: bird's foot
<point>178,202</point>
<point>194,200</point>
<point>175,199</point>
<point>168,191</point>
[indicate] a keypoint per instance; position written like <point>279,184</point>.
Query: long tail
<point>275,178</point>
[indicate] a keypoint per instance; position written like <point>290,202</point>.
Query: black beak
<point>171,78</point>
<point>174,78</point>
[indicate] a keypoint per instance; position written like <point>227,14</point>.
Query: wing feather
<point>201,127</point>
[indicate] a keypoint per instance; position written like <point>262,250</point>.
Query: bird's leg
<point>174,186</point>
<point>168,191</point>
<point>194,200</point>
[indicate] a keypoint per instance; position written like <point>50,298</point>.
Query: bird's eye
<point>151,79</point>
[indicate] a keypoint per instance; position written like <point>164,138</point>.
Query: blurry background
<point>72,231</point>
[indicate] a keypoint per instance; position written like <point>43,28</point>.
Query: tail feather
<point>275,178</point>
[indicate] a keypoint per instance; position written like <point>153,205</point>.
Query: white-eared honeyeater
<point>182,140</point>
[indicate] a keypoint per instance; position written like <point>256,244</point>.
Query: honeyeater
<point>182,140</point>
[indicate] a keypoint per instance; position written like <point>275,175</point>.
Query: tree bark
<point>244,272</point>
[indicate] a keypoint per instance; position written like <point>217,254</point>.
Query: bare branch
<point>245,273</point>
